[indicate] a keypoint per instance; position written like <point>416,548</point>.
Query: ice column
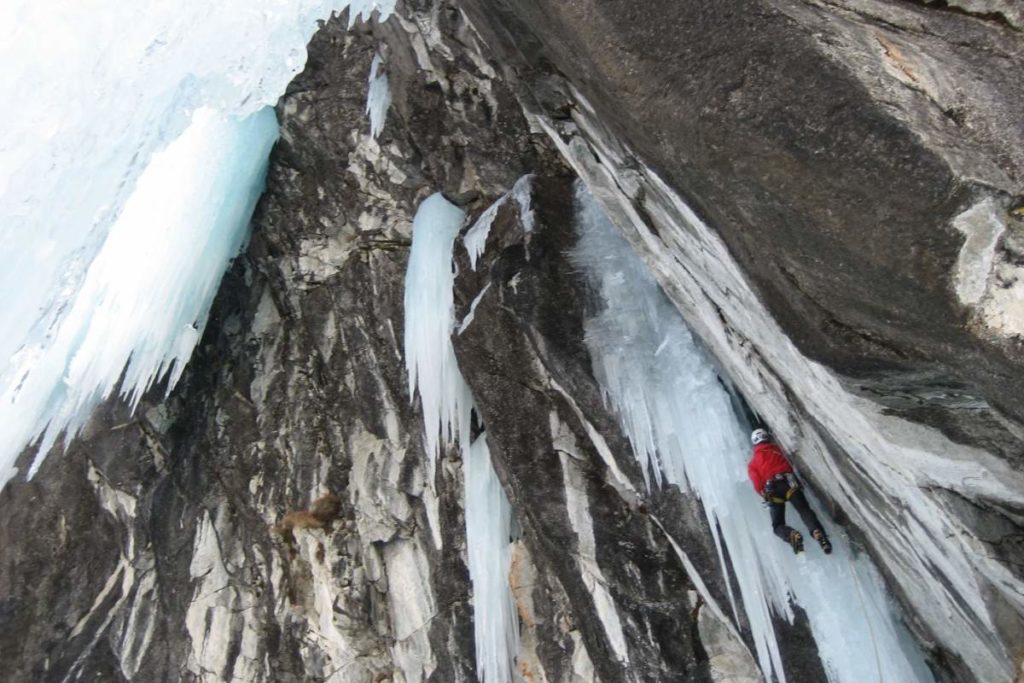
<point>447,407</point>
<point>489,553</point>
<point>684,431</point>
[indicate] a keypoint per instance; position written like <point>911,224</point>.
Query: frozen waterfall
<point>429,315</point>
<point>489,555</point>
<point>378,95</point>
<point>87,204</point>
<point>142,305</point>
<point>684,431</point>
<point>447,410</point>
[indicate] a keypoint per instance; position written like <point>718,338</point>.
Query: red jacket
<point>768,461</point>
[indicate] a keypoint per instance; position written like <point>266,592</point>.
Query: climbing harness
<point>792,487</point>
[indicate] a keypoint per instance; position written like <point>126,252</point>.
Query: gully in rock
<point>776,483</point>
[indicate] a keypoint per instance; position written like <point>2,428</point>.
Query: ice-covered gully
<point>683,428</point>
<point>684,432</point>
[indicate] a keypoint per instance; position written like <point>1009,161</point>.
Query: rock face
<point>840,166</point>
<point>828,191</point>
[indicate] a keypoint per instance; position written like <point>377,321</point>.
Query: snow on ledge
<point>987,280</point>
<point>982,228</point>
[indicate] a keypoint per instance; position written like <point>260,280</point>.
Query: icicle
<point>681,424</point>
<point>378,96</point>
<point>447,408</point>
<point>475,239</point>
<point>429,319</point>
<point>489,554</point>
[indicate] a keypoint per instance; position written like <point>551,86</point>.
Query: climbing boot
<point>822,539</point>
<point>797,541</point>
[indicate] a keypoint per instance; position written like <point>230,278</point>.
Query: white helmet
<point>759,436</point>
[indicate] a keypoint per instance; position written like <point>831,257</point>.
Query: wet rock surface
<point>835,156</point>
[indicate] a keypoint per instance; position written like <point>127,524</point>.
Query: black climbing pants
<point>778,489</point>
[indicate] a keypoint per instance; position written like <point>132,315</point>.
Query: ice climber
<point>774,480</point>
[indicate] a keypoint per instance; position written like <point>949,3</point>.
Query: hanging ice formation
<point>143,303</point>
<point>429,315</point>
<point>476,237</point>
<point>683,429</point>
<point>447,407</point>
<point>378,96</point>
<point>84,202</point>
<point>489,555</point>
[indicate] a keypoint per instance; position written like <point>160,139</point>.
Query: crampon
<point>796,540</point>
<point>822,539</point>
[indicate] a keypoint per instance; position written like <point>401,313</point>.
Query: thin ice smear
<point>684,431</point>
<point>447,408</point>
<point>521,192</point>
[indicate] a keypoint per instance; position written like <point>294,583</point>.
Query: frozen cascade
<point>447,408</point>
<point>680,421</point>
<point>143,303</point>
<point>489,554</point>
<point>429,315</point>
<point>100,90</point>
<point>378,96</point>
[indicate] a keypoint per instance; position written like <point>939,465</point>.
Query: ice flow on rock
<point>447,405</point>
<point>684,432</point>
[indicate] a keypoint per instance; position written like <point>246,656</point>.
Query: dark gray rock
<point>801,178</point>
<point>179,544</point>
<point>829,179</point>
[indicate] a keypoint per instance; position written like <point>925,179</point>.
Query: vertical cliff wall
<point>275,519</point>
<point>830,194</point>
<point>826,191</point>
